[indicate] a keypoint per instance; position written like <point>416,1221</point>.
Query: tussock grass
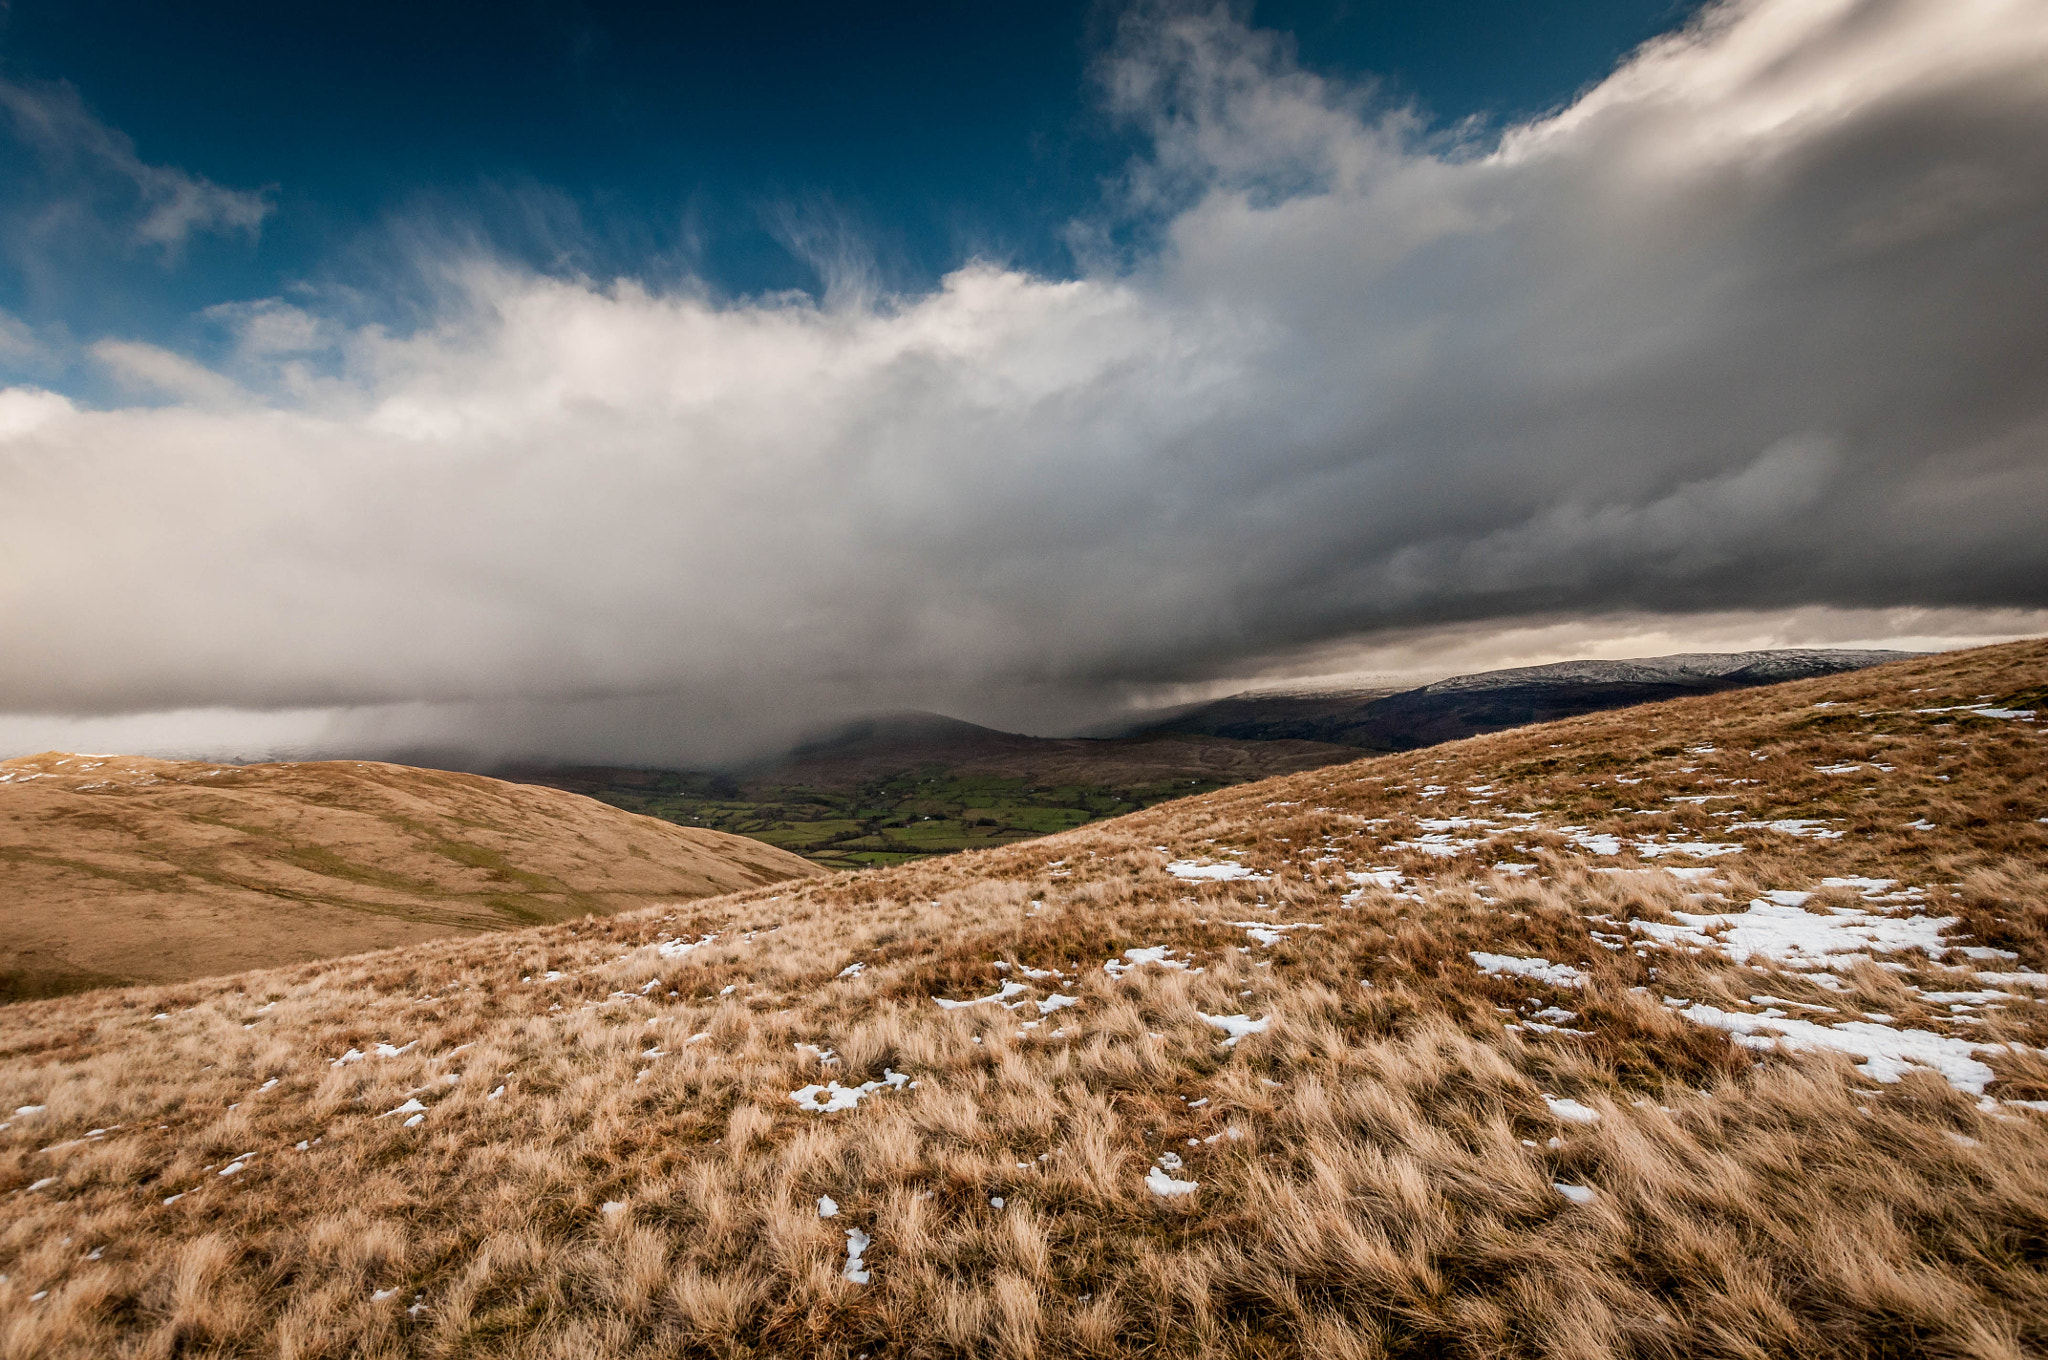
<point>1376,1172</point>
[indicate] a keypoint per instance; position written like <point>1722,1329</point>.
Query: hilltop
<point>121,869</point>
<point>1712,1029</point>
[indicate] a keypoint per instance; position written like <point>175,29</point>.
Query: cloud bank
<point>1756,323</point>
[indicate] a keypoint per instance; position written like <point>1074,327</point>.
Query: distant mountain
<point>1467,705</point>
<point>125,869</point>
<point>896,743</point>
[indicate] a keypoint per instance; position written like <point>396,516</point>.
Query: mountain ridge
<point>1489,701</point>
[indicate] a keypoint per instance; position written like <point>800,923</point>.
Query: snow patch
<point>832,1097</point>
<point>1809,828</point>
<point>1782,932</point>
<point>1158,954</point>
<point>1215,873</point>
<point>1270,933</point>
<point>1884,1054</point>
<point>1009,989</point>
<point>1569,1110</point>
<point>675,949</point>
<point>1165,1186</point>
<point>857,1243</point>
<point>1236,1026</point>
<point>1543,970</point>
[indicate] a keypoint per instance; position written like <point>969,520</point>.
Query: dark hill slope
<point>1468,705</point>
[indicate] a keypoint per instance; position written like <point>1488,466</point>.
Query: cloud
<point>151,368</point>
<point>158,206</point>
<point>1755,324</point>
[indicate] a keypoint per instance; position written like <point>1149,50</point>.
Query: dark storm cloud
<point>1755,323</point>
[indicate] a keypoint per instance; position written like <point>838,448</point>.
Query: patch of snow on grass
<point>1270,933</point>
<point>1543,970</point>
<point>857,1243</point>
<point>1577,1194</point>
<point>1009,989</point>
<point>1862,885</point>
<point>1593,842</point>
<point>675,949</point>
<point>1236,1026</point>
<point>1697,849</point>
<point>1442,845</point>
<point>1809,828</point>
<point>1137,958</point>
<point>832,1097</point>
<point>1783,933</point>
<point>1216,873</point>
<point>1883,1054</point>
<point>1165,1186</point>
<point>1569,1110</point>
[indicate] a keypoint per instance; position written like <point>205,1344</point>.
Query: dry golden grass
<point>1376,1171</point>
<point>122,869</point>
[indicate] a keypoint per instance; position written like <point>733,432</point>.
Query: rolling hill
<point>1712,1028</point>
<point>124,869</point>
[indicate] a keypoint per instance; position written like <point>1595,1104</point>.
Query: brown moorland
<point>1425,1055</point>
<point>118,869</point>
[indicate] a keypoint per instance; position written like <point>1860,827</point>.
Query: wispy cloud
<point>1754,325</point>
<point>153,206</point>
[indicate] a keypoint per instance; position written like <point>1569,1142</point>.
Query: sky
<point>569,381</point>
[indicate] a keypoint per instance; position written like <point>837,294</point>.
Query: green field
<point>920,812</point>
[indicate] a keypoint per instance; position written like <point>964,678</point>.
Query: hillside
<point>1491,701</point>
<point>897,788</point>
<point>124,869</point>
<point>1709,1029</point>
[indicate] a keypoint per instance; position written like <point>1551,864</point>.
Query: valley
<point>895,789</point>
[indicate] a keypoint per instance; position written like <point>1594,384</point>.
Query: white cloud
<point>1687,346</point>
<point>157,370</point>
<point>159,206</point>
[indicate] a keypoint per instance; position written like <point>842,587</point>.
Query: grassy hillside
<point>123,869</point>
<point>1707,1029</point>
<point>894,792</point>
